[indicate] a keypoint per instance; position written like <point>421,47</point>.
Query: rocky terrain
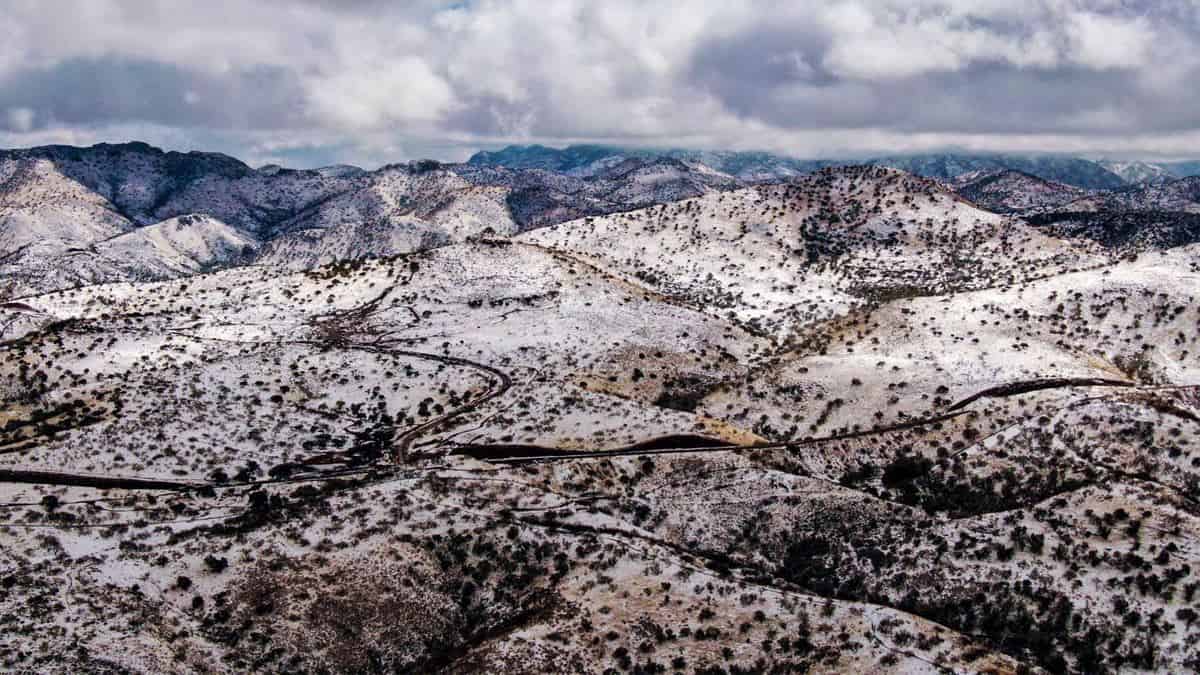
<point>653,416</point>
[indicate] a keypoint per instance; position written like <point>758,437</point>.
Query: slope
<point>1011,191</point>
<point>782,257</point>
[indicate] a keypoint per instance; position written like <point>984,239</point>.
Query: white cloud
<point>1108,42</point>
<point>373,95</point>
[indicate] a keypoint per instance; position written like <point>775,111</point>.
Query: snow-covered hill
<point>641,416</point>
<point>1011,191</point>
<point>259,429</point>
<point>177,247</point>
<point>782,257</point>
<point>1135,172</point>
<point>43,207</point>
<point>540,197</point>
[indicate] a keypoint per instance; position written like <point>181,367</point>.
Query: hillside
<point>371,406</point>
<point>1011,191</point>
<point>1182,195</point>
<point>540,197</point>
<point>43,207</point>
<point>1134,172</point>
<point>647,417</point>
<point>782,257</point>
<point>1127,232</point>
<point>63,200</point>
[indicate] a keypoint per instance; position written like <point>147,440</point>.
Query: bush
<point>905,468</point>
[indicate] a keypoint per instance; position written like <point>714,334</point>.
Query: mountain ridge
<point>764,166</point>
<point>57,203</point>
<point>297,218</point>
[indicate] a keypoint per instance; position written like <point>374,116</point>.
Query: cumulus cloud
<point>316,80</point>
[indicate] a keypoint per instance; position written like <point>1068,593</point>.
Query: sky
<point>312,82</point>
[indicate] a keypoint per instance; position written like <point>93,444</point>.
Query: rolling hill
<point>653,416</point>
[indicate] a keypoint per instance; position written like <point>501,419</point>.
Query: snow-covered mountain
<point>1073,171</point>
<point>59,199</point>
<point>58,204</point>
<point>1134,172</point>
<point>398,209</point>
<point>590,160</point>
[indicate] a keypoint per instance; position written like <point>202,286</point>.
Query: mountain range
<point>583,160</point>
<point>72,216</point>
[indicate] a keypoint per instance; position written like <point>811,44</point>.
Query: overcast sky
<point>310,82</point>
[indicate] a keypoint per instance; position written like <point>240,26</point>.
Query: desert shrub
<point>905,468</point>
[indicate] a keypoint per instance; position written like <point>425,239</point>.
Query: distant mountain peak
<point>1139,172</point>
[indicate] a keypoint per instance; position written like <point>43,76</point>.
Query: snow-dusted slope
<point>401,209</point>
<point>254,202</point>
<point>336,445</point>
<point>1181,195</point>
<point>849,423</point>
<point>134,178</point>
<point>540,197</point>
<point>784,256</point>
<point>173,248</point>
<point>641,183</point>
<point>1011,191</point>
<point>40,206</point>
<point>199,211</point>
<point>1135,172</point>
<point>177,247</point>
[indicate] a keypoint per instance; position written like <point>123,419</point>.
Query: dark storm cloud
<point>779,76</point>
<point>760,58</point>
<point>90,92</point>
<point>981,98</point>
<point>1000,98</point>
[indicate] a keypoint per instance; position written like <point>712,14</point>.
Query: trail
<point>501,384</point>
<point>1026,386</point>
<point>103,482</point>
<point>340,328</point>
<point>525,456</point>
